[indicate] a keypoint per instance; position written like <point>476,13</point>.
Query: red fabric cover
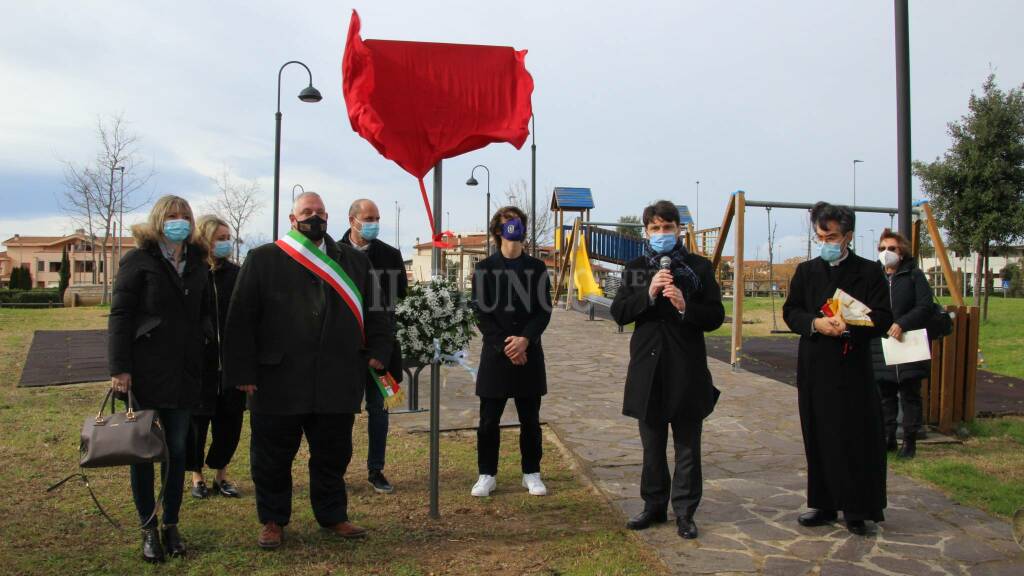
<point>420,102</point>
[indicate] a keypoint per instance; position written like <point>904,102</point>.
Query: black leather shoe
<point>152,551</point>
<point>379,482</point>
<point>817,518</point>
<point>857,527</point>
<point>646,519</point>
<point>172,541</point>
<point>909,448</point>
<point>226,488</point>
<point>200,490</point>
<point>686,528</point>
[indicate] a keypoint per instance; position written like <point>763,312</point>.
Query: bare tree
<point>518,194</point>
<point>98,194</point>
<point>236,204</point>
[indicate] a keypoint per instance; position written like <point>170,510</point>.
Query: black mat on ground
<point>66,357</point>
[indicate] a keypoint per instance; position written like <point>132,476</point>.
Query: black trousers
<point>276,439</point>
<point>685,485</point>
<point>905,395</point>
<point>227,429</point>
<point>488,434</point>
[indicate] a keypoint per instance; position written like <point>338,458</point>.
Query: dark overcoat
<point>291,335</point>
<point>511,303</point>
<point>910,298</point>
<point>156,325</point>
<point>389,269</point>
<point>221,285</point>
<point>840,408</point>
<point>667,356</point>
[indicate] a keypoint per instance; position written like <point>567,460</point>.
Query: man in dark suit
<point>671,296</point>
<point>840,407</point>
<point>389,269</point>
<point>298,340</point>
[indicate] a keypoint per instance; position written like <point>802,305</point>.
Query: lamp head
<point>310,94</point>
<point>471,182</point>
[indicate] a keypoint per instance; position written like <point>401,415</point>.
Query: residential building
<point>42,255</point>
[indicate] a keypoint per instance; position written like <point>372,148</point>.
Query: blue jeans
<point>376,426</point>
<point>175,422</point>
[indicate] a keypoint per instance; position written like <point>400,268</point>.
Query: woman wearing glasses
<point>911,300</point>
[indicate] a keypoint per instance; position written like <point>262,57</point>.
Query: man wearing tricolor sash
<point>300,337</point>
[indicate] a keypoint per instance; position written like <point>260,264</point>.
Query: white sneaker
<point>484,485</point>
<point>534,484</point>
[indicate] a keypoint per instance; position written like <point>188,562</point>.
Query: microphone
<point>665,263</point>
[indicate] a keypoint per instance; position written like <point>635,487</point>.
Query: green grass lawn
<point>572,531</point>
<point>986,471</point>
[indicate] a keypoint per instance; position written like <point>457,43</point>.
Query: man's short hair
<point>663,209</point>
<point>357,206</point>
<point>823,212</point>
<point>302,195</point>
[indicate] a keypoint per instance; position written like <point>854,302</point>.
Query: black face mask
<point>313,228</point>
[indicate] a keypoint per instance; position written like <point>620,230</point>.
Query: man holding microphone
<point>671,296</point>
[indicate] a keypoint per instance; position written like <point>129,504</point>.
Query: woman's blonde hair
<point>206,229</point>
<point>153,229</point>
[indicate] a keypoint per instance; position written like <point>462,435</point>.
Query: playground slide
<point>583,278</point>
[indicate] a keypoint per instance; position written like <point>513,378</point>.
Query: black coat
<point>910,298</point>
<point>389,270</point>
<point>156,325</point>
<point>291,335</point>
<point>509,303</point>
<point>840,408</point>
<point>221,285</point>
<point>668,372</point>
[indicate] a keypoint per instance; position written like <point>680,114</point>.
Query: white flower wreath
<point>430,311</point>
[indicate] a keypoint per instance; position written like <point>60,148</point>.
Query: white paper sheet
<point>913,348</point>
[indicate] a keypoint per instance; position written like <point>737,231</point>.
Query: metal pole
<point>487,212</point>
<point>398,222</point>
<point>696,210</point>
<point>277,162</point>
<point>435,369</point>
<point>903,114</point>
<point>533,186</point>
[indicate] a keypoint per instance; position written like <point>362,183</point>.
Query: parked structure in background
<point>1000,257</point>
<point>41,256</point>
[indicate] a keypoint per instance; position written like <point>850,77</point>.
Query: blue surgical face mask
<point>177,230</point>
<point>513,230</point>
<point>222,248</point>
<point>369,230</point>
<point>662,243</point>
<point>831,252</point>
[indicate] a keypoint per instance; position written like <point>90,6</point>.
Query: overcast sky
<point>634,101</point>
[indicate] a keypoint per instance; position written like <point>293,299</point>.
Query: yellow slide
<point>583,277</point>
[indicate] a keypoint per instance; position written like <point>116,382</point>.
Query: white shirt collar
<point>841,258</point>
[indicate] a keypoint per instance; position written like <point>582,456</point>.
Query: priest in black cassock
<point>840,408</point>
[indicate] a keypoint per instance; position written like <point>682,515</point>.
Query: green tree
<point>977,187</point>
<point>634,231</point>
<point>65,273</point>
<point>21,279</point>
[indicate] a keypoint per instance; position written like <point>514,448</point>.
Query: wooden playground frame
<point>949,393</point>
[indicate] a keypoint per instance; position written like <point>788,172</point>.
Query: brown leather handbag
<point>120,439</point>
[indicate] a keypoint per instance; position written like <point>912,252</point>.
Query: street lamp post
<point>855,162</point>
<point>308,94</point>
<point>487,209</point>
<point>299,186</point>
<point>696,210</point>
<point>120,222</point>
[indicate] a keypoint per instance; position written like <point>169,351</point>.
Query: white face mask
<point>888,258</point>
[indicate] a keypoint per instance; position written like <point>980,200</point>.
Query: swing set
<point>949,393</point>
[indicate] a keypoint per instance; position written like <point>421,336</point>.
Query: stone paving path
<point>754,474</point>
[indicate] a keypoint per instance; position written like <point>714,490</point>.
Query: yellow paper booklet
<point>853,311</point>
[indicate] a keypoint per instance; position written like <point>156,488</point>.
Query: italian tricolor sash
<point>303,251</point>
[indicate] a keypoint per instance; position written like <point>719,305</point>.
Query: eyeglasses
<point>889,248</point>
